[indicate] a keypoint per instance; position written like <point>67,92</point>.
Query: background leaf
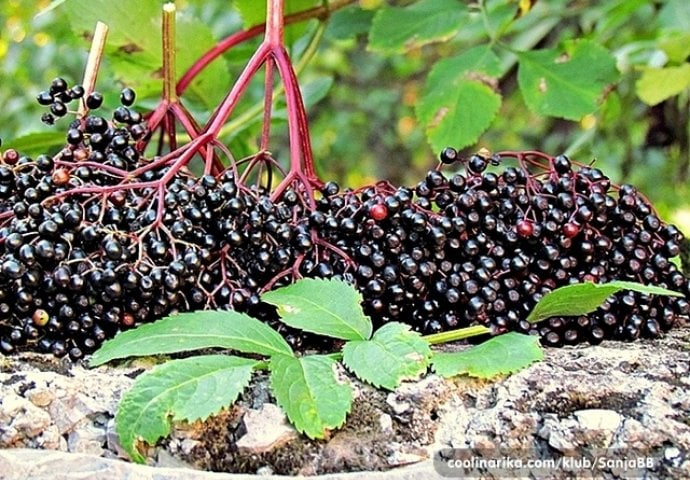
<point>134,46</point>
<point>565,83</point>
<point>583,298</point>
<point>503,354</point>
<point>191,331</point>
<point>392,355</point>
<point>188,389</point>
<point>658,84</point>
<point>458,103</point>
<point>326,307</point>
<point>308,391</point>
<point>397,29</point>
<point>37,143</point>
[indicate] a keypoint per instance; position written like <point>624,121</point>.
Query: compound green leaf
<point>396,29</point>
<point>188,389</point>
<point>458,102</point>
<point>657,84</point>
<point>501,355</point>
<point>565,83</point>
<point>392,355</point>
<point>192,331</point>
<point>583,298</point>
<point>326,307</point>
<point>309,392</point>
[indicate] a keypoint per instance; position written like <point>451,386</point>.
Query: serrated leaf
<point>583,298</point>
<point>657,84</point>
<point>457,104</point>
<point>501,355</point>
<point>192,331</point>
<point>187,389</point>
<point>37,143</point>
<point>565,83</point>
<point>326,307</point>
<point>392,355</point>
<point>396,29</point>
<point>309,392</point>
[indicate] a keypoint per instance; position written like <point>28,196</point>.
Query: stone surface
<point>267,428</point>
<point>630,397</point>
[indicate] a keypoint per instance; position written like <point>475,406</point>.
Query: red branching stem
<point>221,114</point>
<point>268,104</point>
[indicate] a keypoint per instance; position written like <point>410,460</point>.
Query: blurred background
<point>362,100</point>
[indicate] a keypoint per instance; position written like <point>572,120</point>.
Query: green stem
<point>453,335</point>
<point>169,93</point>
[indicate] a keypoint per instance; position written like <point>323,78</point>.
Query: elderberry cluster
<point>98,238</point>
<point>485,246</point>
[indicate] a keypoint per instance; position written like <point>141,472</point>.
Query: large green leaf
<point>309,392</point>
<point>192,331</point>
<point>135,48</point>
<point>326,307</point>
<point>658,84</point>
<point>566,83</point>
<point>188,389</point>
<point>397,29</point>
<point>392,355</point>
<point>504,354</point>
<point>583,298</point>
<point>458,104</point>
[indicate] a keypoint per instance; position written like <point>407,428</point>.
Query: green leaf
<point>500,355</point>
<point>192,331</point>
<point>457,103</point>
<point>309,392</point>
<point>676,46</point>
<point>37,143</point>
<point>583,298</point>
<point>392,355</point>
<point>658,84</point>
<point>566,83</point>
<point>188,389</point>
<point>134,45</point>
<point>326,307</point>
<point>674,15</point>
<point>397,29</point>
<point>348,23</point>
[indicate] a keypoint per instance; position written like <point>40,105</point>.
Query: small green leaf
<point>565,83</point>
<point>676,46</point>
<point>658,84</point>
<point>348,23</point>
<point>392,355</point>
<point>192,331</point>
<point>187,389</point>
<point>396,29</point>
<point>326,307</point>
<point>309,392</point>
<point>500,355</point>
<point>583,298</point>
<point>458,104</point>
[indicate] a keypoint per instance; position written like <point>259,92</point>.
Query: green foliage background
<point>371,93</point>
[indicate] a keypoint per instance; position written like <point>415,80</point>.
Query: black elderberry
<point>94,100</point>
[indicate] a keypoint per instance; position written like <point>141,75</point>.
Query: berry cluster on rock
<point>98,238</point>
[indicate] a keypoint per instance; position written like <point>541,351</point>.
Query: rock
<point>598,419</point>
<point>267,428</point>
<point>386,422</point>
<point>399,407</point>
<point>41,397</point>
<point>88,439</point>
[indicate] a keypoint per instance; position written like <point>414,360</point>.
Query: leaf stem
<point>169,92</point>
<point>453,335</point>
<point>93,63</point>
